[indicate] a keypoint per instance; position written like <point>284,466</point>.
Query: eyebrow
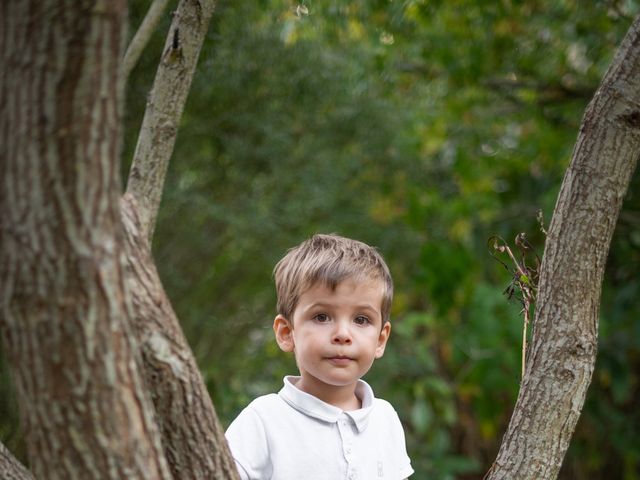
<point>364,306</point>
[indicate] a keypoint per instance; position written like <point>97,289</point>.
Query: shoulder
<point>258,410</point>
<point>248,438</point>
<point>386,419</point>
<point>384,408</point>
<point>250,417</point>
<point>264,402</point>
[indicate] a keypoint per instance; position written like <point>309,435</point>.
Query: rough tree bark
<point>563,351</point>
<point>69,346</point>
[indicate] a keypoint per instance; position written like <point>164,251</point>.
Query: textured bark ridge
<point>64,301</point>
<point>192,437</point>
<point>563,352</point>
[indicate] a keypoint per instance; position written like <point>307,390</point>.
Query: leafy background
<point>420,127</point>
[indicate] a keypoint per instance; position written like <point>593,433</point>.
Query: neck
<point>342,397</point>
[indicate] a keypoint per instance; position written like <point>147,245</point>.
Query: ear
<point>382,339</point>
<point>284,333</point>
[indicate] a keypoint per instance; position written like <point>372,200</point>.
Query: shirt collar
<point>316,408</point>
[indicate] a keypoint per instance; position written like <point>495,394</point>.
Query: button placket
<point>347,436</point>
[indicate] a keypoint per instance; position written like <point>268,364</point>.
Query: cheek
<point>308,344</point>
<point>300,340</point>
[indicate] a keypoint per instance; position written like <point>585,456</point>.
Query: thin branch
<point>525,328</point>
<point>546,92</point>
<point>164,108</point>
<point>142,36</point>
<point>524,280</point>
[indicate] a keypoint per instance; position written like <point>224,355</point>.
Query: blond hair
<point>329,259</point>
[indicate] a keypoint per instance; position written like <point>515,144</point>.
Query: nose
<point>342,333</point>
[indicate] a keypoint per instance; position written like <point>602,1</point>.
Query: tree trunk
<point>64,299</point>
<point>565,337</point>
<point>192,439</point>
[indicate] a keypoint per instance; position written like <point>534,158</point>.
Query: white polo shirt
<point>295,436</point>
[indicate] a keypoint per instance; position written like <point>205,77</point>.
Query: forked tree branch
<point>565,339</point>
<point>192,437</point>
<point>142,36</point>
<point>164,107</point>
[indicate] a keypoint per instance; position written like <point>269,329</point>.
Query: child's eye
<point>321,317</point>
<point>362,320</point>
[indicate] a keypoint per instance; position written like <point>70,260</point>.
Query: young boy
<point>334,297</point>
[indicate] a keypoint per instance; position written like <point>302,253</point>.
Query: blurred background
<point>422,128</point>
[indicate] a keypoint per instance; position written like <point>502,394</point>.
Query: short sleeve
<point>405,470</point>
<point>397,444</point>
<point>248,444</point>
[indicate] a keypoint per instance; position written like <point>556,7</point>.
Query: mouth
<point>340,359</point>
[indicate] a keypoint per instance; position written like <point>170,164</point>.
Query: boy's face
<point>335,334</point>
